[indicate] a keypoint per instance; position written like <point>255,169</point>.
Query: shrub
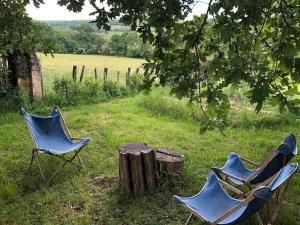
<point>12,100</point>
<point>135,83</point>
<point>66,91</point>
<point>111,89</point>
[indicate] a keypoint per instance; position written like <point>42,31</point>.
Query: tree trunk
<point>138,172</point>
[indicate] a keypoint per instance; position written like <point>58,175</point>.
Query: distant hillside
<point>116,26</point>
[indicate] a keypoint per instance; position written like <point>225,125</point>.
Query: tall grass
<point>242,114</point>
<point>161,103</point>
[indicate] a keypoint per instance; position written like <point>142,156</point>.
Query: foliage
<point>135,82</point>
<point>259,47</point>
<point>73,25</point>
<point>67,92</point>
<point>161,103</point>
<point>84,40</point>
<point>11,100</point>
<point>72,92</point>
<point>130,45</point>
<point>18,33</point>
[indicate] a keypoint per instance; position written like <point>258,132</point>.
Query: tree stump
<point>137,170</point>
<point>169,162</point>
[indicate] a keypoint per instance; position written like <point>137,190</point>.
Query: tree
<point>251,42</point>
<point>19,36</point>
<point>65,40</point>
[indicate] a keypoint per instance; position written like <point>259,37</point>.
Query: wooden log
<point>74,72</point>
<point>82,73</point>
<point>96,74</point>
<point>169,162</point>
<point>137,169</point>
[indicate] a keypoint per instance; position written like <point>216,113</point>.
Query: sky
<point>52,11</point>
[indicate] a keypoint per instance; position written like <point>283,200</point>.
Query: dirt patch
<point>106,183</point>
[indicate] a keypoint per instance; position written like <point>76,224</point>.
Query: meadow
<point>92,195</point>
<point>62,64</point>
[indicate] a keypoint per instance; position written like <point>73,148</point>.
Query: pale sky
<point>52,11</point>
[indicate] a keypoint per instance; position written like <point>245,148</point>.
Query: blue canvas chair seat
<point>235,171</point>
<point>213,205</point>
<point>235,167</point>
<point>50,135</point>
<point>211,202</point>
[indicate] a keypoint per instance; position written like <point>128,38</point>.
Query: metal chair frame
<point>36,151</point>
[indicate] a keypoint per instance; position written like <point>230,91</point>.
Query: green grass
<point>62,64</point>
<point>74,198</point>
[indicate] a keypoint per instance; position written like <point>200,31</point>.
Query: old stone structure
<point>25,73</point>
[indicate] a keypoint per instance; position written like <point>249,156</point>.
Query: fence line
<point>96,73</point>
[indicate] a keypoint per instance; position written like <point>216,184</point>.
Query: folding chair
<point>50,135</point>
<point>212,205</point>
<point>235,172</point>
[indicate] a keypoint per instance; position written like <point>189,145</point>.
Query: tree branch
<point>204,21</point>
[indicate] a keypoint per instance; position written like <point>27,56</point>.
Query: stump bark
<point>169,162</point>
<point>138,172</point>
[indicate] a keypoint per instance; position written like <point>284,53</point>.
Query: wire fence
<point>82,72</point>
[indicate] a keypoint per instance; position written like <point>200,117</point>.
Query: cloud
<point>52,11</point>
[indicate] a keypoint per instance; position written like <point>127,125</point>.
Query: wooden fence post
<point>118,76</point>
<point>105,75</point>
<point>96,75</point>
<point>74,72</point>
<point>82,72</point>
<point>137,70</point>
<point>128,75</point>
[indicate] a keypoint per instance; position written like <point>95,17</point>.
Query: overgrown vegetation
<point>67,92</point>
<point>242,114</point>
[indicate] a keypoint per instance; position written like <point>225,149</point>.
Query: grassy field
<point>75,197</point>
<point>62,64</point>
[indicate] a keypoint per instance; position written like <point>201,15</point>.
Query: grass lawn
<point>75,198</point>
<point>62,64</point>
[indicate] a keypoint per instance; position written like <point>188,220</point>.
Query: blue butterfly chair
<point>235,171</point>
<point>213,205</point>
<point>50,135</point>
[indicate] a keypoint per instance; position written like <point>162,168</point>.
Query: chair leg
<point>188,220</point>
<point>279,197</point>
<point>62,165</point>
<point>31,161</point>
<point>39,164</point>
<point>269,209</point>
<point>80,160</point>
<point>258,219</point>
<point>54,174</point>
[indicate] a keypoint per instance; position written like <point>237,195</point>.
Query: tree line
<point>74,24</point>
<point>84,40</point>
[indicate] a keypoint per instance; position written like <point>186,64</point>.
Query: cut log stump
<point>169,162</point>
<point>138,171</point>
